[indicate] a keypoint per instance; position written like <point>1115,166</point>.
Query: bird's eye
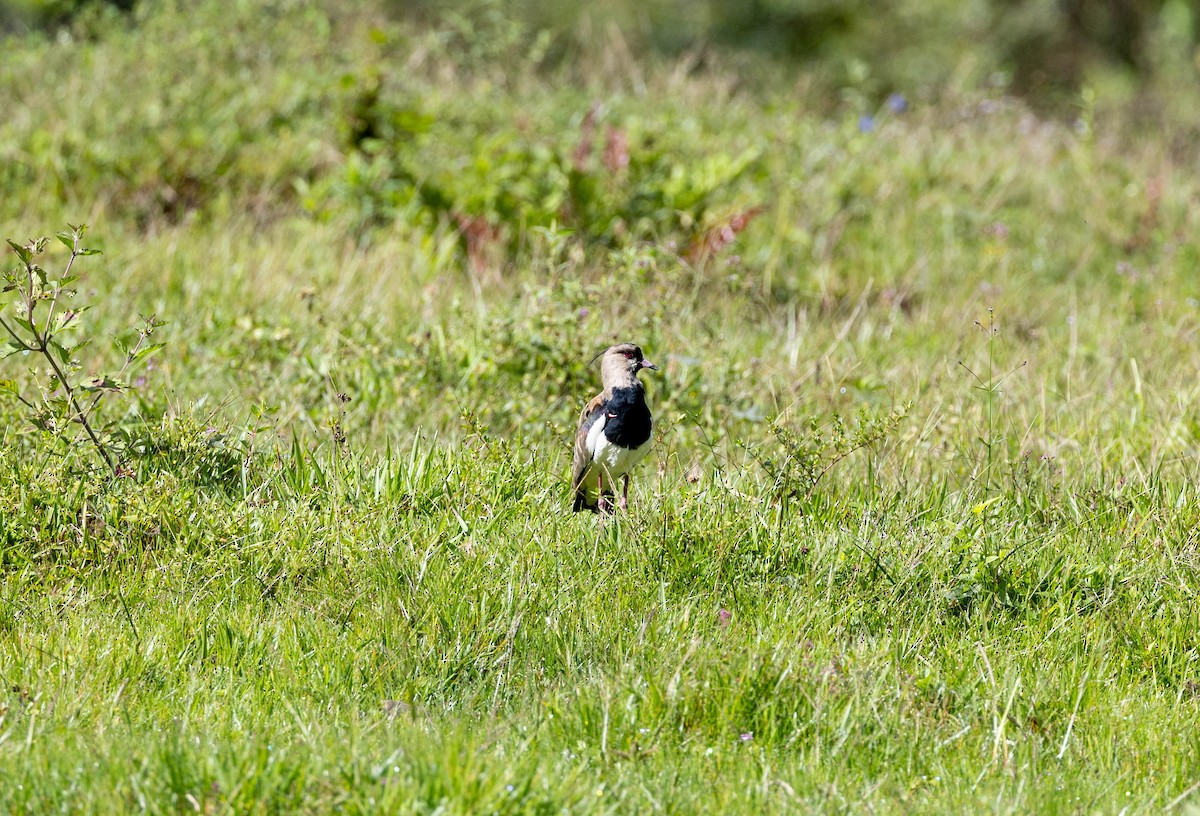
<point>628,354</point>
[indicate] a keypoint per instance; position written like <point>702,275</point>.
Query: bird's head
<point>621,363</point>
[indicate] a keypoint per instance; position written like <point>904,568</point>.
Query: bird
<point>615,429</point>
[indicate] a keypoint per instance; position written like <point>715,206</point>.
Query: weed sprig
<point>46,322</point>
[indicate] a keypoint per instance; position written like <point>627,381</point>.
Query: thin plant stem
<point>42,337</point>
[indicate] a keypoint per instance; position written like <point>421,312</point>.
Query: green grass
<point>992,608</point>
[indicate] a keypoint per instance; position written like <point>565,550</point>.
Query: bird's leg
<point>624,503</point>
<point>600,504</point>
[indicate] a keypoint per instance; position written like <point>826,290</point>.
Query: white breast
<point>615,460</point>
<point>608,459</point>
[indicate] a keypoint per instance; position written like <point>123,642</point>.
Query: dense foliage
<point>1041,48</point>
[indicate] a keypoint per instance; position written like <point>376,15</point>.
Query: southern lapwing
<point>614,430</point>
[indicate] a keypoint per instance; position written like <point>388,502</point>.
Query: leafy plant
<point>440,165</point>
<point>988,385</point>
<point>44,326</point>
<point>807,456</point>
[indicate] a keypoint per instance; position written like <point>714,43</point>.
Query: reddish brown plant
<point>720,236</point>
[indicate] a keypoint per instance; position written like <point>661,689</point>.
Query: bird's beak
<point>650,365</point>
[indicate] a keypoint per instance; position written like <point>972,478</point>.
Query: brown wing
<point>583,457</point>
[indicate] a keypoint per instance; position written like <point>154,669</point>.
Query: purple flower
<point>724,616</point>
<point>896,103</point>
<point>996,229</point>
<point>866,124</point>
<point>746,736</point>
<point>583,313</point>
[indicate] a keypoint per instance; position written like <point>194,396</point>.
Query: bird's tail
<point>581,503</point>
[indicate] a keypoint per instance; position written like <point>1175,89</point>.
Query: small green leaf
<point>146,352</point>
<point>979,508</point>
<point>63,354</point>
<point>66,319</point>
<point>65,238</point>
<point>89,252</point>
<point>22,253</point>
<point>103,383</point>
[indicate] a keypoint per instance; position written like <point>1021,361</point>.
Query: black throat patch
<point>627,421</point>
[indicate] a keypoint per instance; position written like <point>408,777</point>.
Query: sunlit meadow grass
<point>294,602</point>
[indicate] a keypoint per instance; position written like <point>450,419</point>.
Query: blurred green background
<point>1042,49</point>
